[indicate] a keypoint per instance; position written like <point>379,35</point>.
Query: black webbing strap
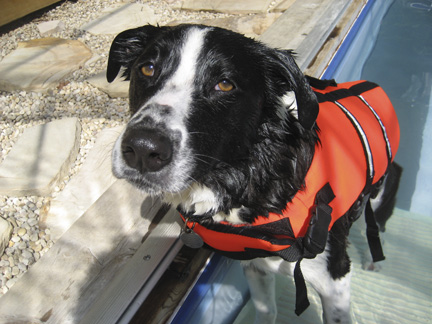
<point>314,241</point>
<point>342,93</point>
<point>302,301</point>
<point>320,84</point>
<point>372,234</point>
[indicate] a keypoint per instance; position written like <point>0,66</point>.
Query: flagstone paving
<point>47,28</point>
<point>117,19</point>
<point>117,88</point>
<point>40,64</point>
<point>40,158</point>
<point>5,234</point>
<point>250,25</point>
<point>228,6</point>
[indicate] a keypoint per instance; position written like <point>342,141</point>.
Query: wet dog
<point>224,128</point>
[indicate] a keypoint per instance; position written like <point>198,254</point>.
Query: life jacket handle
<point>315,239</point>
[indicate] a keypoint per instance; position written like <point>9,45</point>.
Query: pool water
<point>391,44</point>
<point>399,58</point>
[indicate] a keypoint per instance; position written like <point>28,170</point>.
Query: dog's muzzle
<point>146,150</point>
<point>152,152</point>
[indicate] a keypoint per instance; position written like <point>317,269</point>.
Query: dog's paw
<point>372,266</point>
<point>197,199</point>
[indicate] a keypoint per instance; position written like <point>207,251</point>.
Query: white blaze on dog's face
<point>166,111</point>
<point>198,97</point>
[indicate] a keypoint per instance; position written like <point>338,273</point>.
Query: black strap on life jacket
<point>320,84</point>
<point>372,234</point>
<point>302,301</point>
<point>314,241</point>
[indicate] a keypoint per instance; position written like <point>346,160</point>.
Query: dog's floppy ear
<point>126,48</point>
<point>307,105</point>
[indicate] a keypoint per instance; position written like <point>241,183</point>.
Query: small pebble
<point>26,254</point>
<point>15,239</point>
<point>34,237</point>
<point>11,261</point>
<point>22,266</point>
<point>22,231</point>
<point>7,273</point>
<point>15,271</point>
<point>11,282</point>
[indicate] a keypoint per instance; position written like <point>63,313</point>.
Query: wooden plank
<point>13,9</point>
<point>318,65</point>
<point>66,281</point>
<point>305,27</point>
<point>309,48</point>
<point>173,287</point>
<point>144,269</point>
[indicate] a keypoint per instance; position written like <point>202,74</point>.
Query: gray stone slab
<point>5,234</point>
<point>40,64</point>
<point>91,181</point>
<point>117,88</point>
<point>227,6</point>
<point>116,19</point>
<point>40,158</point>
<point>50,27</point>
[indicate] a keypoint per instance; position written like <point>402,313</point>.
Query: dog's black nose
<point>146,150</point>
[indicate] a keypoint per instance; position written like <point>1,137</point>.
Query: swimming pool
<point>390,44</point>
<point>397,54</point>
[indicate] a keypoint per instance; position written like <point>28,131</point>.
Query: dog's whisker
<point>199,133</point>
<point>196,155</point>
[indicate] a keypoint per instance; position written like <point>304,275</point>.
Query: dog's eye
<point>224,86</point>
<point>148,69</point>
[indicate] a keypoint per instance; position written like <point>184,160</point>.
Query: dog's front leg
<point>262,289</point>
<point>336,304</point>
<point>334,293</point>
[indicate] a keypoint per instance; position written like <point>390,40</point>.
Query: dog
<point>224,128</point>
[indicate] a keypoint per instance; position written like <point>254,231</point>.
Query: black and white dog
<point>223,125</point>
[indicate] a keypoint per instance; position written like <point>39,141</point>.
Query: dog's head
<point>201,99</point>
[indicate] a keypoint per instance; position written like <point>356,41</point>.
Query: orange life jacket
<point>359,136</point>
